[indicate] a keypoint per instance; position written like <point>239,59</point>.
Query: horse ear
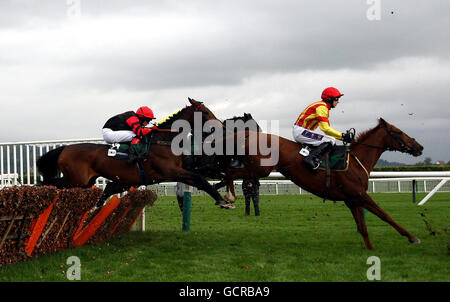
<point>382,121</point>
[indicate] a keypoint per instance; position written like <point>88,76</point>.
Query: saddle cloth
<point>338,159</point>
<point>119,151</point>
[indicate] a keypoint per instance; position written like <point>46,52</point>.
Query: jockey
<point>128,127</point>
<point>316,115</point>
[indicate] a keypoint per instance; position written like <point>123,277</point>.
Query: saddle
<point>338,159</point>
<point>121,151</point>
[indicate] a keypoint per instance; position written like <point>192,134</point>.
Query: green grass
<point>296,238</point>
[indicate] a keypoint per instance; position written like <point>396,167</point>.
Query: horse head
<point>200,107</point>
<point>188,114</point>
<point>397,140</point>
<point>242,122</point>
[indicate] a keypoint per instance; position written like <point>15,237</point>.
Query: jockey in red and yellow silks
<point>317,115</point>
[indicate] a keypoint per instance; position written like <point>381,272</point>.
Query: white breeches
<point>121,136</point>
<point>310,137</point>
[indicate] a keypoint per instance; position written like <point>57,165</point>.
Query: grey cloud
<point>253,37</point>
<point>227,50</point>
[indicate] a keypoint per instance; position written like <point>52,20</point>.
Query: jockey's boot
<point>132,152</point>
<point>132,156</point>
<point>314,158</point>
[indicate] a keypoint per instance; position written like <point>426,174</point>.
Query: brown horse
<point>82,164</point>
<point>349,186</point>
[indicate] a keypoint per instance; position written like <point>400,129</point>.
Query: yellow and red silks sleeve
<point>324,124</point>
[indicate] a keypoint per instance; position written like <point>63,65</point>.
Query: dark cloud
<point>256,54</point>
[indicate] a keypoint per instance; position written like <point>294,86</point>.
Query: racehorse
<point>349,186</point>
<point>212,166</point>
<point>82,164</point>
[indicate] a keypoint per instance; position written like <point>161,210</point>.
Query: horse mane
<point>167,121</point>
<point>246,117</point>
<point>365,134</point>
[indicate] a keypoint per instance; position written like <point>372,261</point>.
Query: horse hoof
<point>227,199</point>
<point>415,240</point>
<point>227,206</point>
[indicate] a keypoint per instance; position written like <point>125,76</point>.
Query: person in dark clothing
<point>179,191</point>
<point>250,188</point>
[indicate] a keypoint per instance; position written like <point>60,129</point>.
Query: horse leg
<point>357,213</point>
<point>231,195</point>
<point>60,183</point>
<point>110,189</point>
<point>201,183</point>
<point>370,205</point>
<point>219,185</point>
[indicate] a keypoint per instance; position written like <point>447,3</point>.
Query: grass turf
<point>296,238</point>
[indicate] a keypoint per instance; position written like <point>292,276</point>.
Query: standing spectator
<point>250,188</point>
<point>179,191</point>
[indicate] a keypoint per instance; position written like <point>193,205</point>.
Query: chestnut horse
<point>349,186</point>
<point>82,164</point>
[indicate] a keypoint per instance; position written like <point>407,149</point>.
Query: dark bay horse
<point>349,186</point>
<point>212,166</point>
<point>82,164</point>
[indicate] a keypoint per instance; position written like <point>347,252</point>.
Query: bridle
<point>396,136</point>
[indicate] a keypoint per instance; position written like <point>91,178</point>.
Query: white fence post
<point>433,191</point>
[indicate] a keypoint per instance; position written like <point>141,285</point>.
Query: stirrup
<point>312,164</point>
<point>316,166</point>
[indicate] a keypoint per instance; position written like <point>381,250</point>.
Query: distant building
<point>440,163</point>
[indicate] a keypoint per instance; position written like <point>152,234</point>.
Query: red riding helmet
<point>145,113</point>
<point>331,93</point>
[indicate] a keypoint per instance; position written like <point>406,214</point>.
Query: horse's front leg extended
<point>230,196</point>
<point>201,183</point>
<point>358,215</point>
<point>219,185</point>
<point>369,204</point>
<point>110,189</point>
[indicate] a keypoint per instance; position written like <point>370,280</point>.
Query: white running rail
<point>18,167</point>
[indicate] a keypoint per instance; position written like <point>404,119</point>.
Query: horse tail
<point>47,165</point>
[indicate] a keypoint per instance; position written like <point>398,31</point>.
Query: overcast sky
<point>66,66</point>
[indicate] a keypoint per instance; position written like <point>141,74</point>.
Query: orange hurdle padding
<point>80,225</point>
<point>124,214</point>
<point>120,219</point>
<point>38,228</point>
<point>96,222</point>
